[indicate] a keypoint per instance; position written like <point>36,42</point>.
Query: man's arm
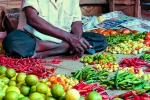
<point>77,28</point>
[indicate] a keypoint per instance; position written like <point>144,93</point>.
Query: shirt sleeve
<point>77,13</point>
<point>31,3</point>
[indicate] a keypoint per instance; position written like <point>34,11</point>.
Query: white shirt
<point>60,14</point>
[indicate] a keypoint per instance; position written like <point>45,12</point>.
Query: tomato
<point>100,30</point>
<point>113,33</point>
<point>126,31</point>
<point>105,33</point>
<point>147,42</point>
<point>147,36</point>
<point>135,31</point>
<point>95,31</point>
<point>119,30</point>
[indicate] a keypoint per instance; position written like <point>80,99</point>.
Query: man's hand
<point>79,44</point>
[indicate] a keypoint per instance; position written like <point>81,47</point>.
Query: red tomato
<point>100,30</point>
<point>126,31</point>
<point>147,42</point>
<point>135,31</point>
<point>119,30</point>
<point>113,33</point>
<point>147,36</point>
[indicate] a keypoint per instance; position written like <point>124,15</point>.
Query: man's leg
<point>46,49</point>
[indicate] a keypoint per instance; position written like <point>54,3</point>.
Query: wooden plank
<point>126,2</point>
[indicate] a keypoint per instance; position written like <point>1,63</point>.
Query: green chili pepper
<point>130,76</point>
<point>111,82</point>
<point>137,82</point>
<point>116,79</point>
<point>90,81</point>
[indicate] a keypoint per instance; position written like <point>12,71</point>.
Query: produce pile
<point>28,79</point>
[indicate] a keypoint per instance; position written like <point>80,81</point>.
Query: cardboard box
<point>88,10</point>
<point>93,2</point>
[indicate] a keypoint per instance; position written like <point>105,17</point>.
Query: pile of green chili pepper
<point>124,37</point>
<point>125,81</point>
<point>90,75</point>
<point>145,57</point>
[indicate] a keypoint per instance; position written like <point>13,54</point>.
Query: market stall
<point>121,72</point>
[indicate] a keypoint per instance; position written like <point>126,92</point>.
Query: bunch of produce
<point>113,32</point>
<point>85,89</point>
<point>27,65</point>
<point>90,75</point>
<point>147,39</point>
<point>128,47</point>
<point>100,58</point>
<point>132,95</point>
<point>66,82</point>
<point>111,67</point>
<point>125,37</point>
<point>145,57</point>
<point>125,81</point>
<point>134,62</point>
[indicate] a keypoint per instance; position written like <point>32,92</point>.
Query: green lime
<point>10,73</point>
<point>31,80</point>
<point>93,96</point>
<point>24,98</point>
<point>25,90</point>
<point>117,99</point>
<point>2,70</point>
<point>11,95</point>
<point>35,95</point>
<point>12,83</point>
<point>57,90</point>
<point>42,88</point>
<point>6,80</point>
<point>21,77</point>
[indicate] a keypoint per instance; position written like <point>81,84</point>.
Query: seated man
<point>47,28</point>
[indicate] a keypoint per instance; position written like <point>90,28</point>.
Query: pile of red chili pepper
<point>134,62</point>
<point>27,65</point>
<point>55,61</point>
<point>133,95</point>
<point>84,89</point>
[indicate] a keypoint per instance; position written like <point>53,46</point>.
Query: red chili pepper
<point>127,94</point>
<point>136,97</point>
<point>93,62</point>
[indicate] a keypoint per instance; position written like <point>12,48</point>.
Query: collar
<point>58,2</point>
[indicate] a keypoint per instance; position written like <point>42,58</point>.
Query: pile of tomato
<point>147,39</point>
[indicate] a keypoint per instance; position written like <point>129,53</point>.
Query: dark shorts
<point>23,44</point>
<point>19,43</point>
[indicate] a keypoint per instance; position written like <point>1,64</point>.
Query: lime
<point>40,99</point>
<point>117,99</point>
<point>35,95</point>
<point>10,73</point>
<point>20,84</point>
<point>31,80</point>
<point>11,95</point>
<point>42,88</point>
<point>1,95</point>
<point>21,77</point>
<point>50,98</point>
<point>12,83</point>
<point>2,70</point>
<point>13,88</point>
<point>33,89</point>
<point>25,90</point>
<point>6,80</point>
<point>23,98</point>
<point>93,96</point>
<point>5,88</point>
<point>57,90</point>
<point>62,97</point>
<point>72,94</point>
<point>81,98</point>
<point>2,82</point>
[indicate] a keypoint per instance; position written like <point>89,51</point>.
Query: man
<point>49,27</point>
